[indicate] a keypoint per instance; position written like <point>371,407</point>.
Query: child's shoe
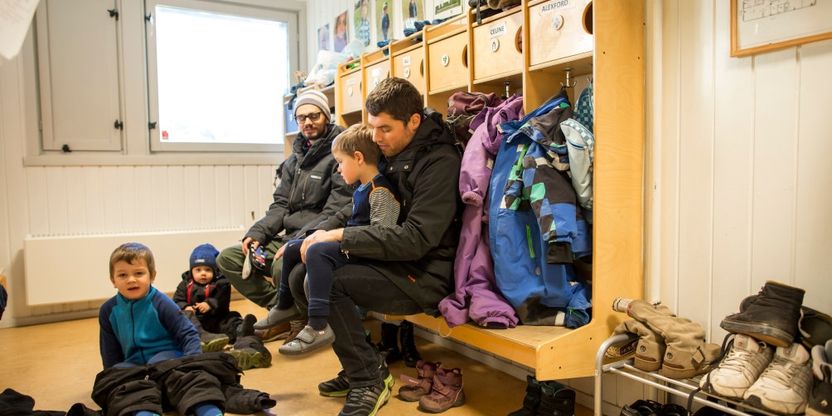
<point>251,353</point>
<point>308,339</point>
<point>415,388</point>
<point>446,391</point>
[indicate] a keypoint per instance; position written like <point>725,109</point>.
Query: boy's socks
<point>207,409</point>
<point>317,323</point>
<point>145,413</point>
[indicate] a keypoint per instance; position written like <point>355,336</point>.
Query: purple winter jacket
<point>476,295</point>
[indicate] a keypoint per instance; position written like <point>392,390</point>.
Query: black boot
<point>389,344</point>
<point>209,341</point>
<point>409,353</point>
<point>770,316</point>
<point>556,400</point>
<point>532,399</point>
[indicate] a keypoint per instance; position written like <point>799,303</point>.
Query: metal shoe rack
<point>680,388</point>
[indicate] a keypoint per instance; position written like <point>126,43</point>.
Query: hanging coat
<point>535,224</point>
<point>476,295</point>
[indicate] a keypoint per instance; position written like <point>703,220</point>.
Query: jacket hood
<point>321,148</point>
<point>492,117</point>
<point>545,128</point>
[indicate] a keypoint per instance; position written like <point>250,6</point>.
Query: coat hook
<point>569,81</point>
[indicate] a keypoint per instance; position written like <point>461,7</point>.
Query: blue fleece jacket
<point>135,331</point>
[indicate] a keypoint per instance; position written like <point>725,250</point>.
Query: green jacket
<point>418,255</point>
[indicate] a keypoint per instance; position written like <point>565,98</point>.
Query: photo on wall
<point>443,9</point>
<point>361,20</point>
<point>384,9</point>
<point>323,38</point>
<point>342,34</point>
<point>412,11</point>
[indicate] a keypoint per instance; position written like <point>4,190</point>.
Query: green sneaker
<point>248,358</point>
<point>337,387</point>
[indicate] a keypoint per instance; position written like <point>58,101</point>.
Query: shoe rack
<point>679,388</point>
<point>534,49</point>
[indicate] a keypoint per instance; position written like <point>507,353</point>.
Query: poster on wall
<point>361,19</point>
<point>342,35</point>
<point>766,25</point>
<point>443,9</point>
<point>323,37</point>
<point>383,12</point>
<point>412,11</point>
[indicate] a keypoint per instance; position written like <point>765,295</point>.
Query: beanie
<point>204,255</point>
<point>316,98</point>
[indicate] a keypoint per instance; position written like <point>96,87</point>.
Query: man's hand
<point>203,307</point>
<point>320,236</point>
<point>247,242</point>
<point>279,253</point>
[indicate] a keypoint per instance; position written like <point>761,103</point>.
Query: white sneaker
<point>740,368</point>
<point>784,386</point>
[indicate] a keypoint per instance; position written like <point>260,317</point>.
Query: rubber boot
<point>556,400</point>
<point>414,388</point>
<point>408,344</point>
<point>770,316</point>
<point>209,341</point>
<point>446,391</point>
<point>389,344</point>
<point>532,399</point>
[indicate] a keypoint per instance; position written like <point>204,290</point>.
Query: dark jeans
<point>321,261</point>
<point>363,286</point>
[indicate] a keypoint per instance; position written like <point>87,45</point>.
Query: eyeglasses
<point>301,118</point>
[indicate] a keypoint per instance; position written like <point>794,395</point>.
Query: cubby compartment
<point>376,68</point>
<point>498,46</point>
<point>351,98</point>
<point>448,65</point>
<point>410,65</point>
<point>558,31</point>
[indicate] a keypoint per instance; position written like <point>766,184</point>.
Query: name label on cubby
<point>497,30</point>
<point>406,60</point>
<point>555,6</point>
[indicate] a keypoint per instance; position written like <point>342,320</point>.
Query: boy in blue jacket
<point>140,325</point>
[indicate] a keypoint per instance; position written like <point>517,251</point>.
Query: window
<point>217,75</point>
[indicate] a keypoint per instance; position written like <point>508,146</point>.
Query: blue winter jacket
<point>535,230</point>
<point>135,331</point>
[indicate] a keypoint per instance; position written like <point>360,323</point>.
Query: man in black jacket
<point>310,191</point>
<point>398,270</point>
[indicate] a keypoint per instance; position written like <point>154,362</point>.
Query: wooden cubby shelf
<point>535,44</point>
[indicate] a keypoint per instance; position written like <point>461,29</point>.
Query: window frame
<point>247,10</point>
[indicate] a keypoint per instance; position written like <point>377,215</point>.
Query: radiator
<point>73,268</point>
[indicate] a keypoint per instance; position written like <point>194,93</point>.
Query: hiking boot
<point>747,358</point>
<point>365,401</point>
<point>446,391</point>
<point>820,398</point>
<point>532,399</point>
<point>274,333</point>
<point>389,344</point>
<point>556,400</point>
<point>251,353</point>
<point>649,346</point>
<point>246,327</point>
<point>209,341</point>
<point>686,362</point>
<point>336,387</point>
<point>410,355</point>
<point>277,316</point>
<point>415,388</point>
<point>815,327</point>
<point>769,316</point>
<point>623,351</point>
<point>785,384</point>
<point>309,339</point>
<point>294,329</point>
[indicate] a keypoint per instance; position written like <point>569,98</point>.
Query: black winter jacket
<point>310,190</point>
<point>418,255</point>
<point>217,293</point>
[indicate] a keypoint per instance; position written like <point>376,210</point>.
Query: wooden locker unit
<point>408,62</point>
<point>349,98</point>
<point>614,59</point>
<point>376,68</point>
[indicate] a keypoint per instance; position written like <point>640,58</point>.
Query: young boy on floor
<point>204,295</point>
<point>140,325</point>
<point>374,203</point>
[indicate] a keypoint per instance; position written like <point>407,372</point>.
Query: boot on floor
<point>389,344</point>
<point>251,353</point>
<point>770,316</point>
<point>556,400</point>
<point>408,345</point>
<point>414,388</point>
<point>446,391</point>
<point>209,341</point>
<point>532,400</point>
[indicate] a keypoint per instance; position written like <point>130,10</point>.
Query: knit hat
<point>204,255</point>
<point>316,98</point>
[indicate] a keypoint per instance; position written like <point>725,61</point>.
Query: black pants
<point>364,286</point>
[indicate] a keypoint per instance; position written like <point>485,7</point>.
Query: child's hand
<point>189,308</point>
<point>203,307</point>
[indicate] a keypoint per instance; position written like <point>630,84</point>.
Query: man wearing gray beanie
<point>310,191</point>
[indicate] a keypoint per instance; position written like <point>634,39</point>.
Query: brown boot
<point>446,391</point>
<point>295,326</point>
<point>414,388</point>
